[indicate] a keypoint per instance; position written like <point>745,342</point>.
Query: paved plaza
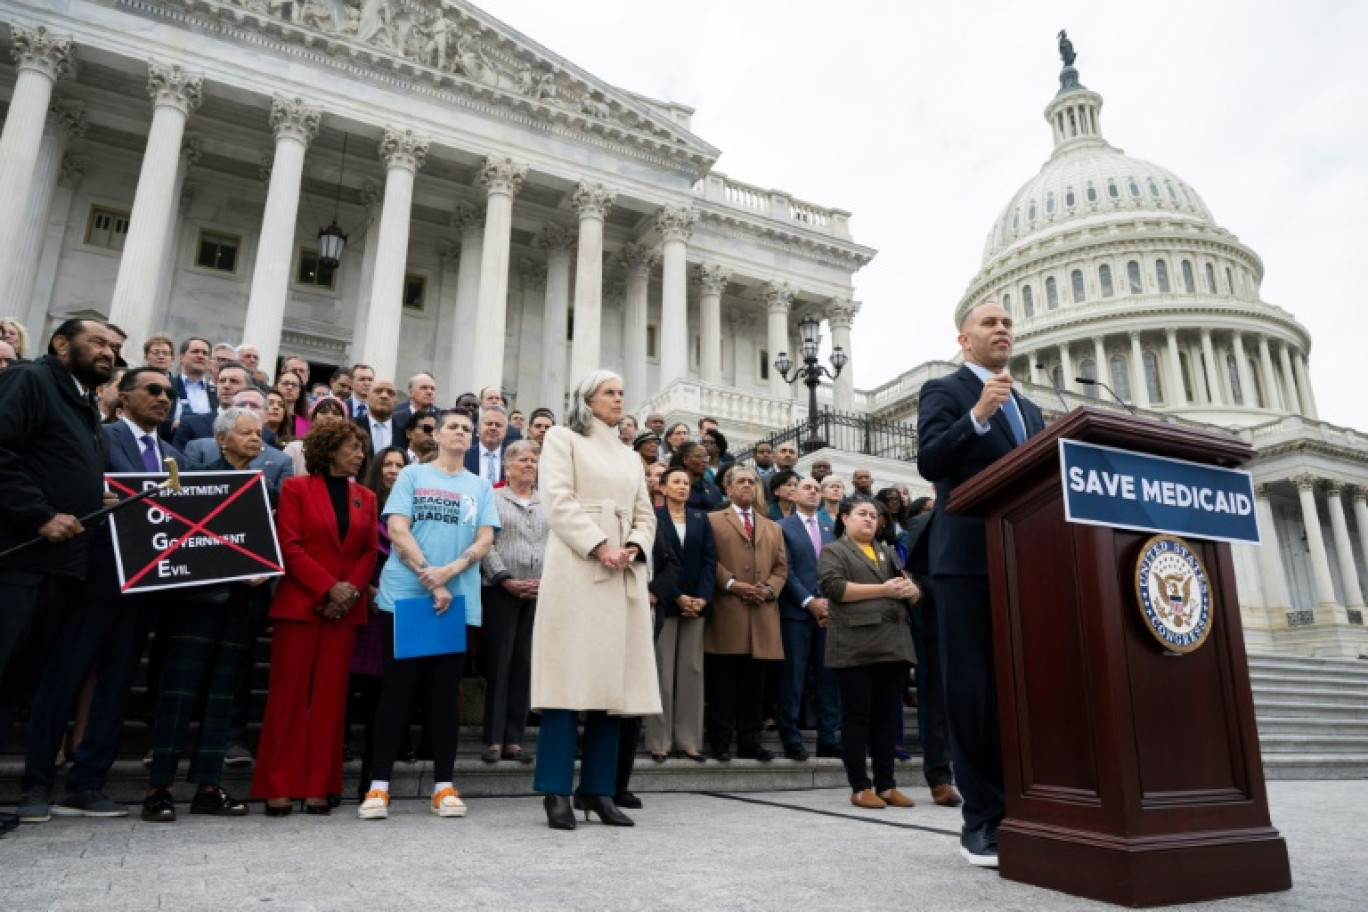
<point>689,851</point>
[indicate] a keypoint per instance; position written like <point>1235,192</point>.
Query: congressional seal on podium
<point>1174,593</point>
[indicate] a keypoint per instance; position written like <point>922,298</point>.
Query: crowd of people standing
<point>612,575</point>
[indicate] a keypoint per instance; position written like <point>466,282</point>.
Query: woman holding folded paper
<point>591,640</point>
<point>441,521</point>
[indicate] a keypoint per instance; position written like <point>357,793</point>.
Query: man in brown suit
<point>742,632</point>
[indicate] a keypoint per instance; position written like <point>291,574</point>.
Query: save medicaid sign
<point>1105,486</point>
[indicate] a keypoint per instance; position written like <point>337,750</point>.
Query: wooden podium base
<point>1152,871</point>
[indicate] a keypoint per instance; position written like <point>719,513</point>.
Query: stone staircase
<point>1312,716</point>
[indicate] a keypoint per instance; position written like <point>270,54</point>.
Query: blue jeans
<point>804,648</point>
<point>555,774</point>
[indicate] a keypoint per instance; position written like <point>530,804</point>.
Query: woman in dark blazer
<point>327,529</point>
<point>679,647</point>
<point>869,645</point>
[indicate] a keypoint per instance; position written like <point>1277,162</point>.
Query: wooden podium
<point>1132,774</point>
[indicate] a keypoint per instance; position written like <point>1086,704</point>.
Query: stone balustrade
<point>774,204</point>
<point>745,415</point>
<point>1300,429</point>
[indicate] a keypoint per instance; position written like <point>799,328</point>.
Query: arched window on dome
<point>1258,384</point>
<point>1172,195</point>
<point>1120,377</point>
<point>1185,368</point>
<point>1233,374</point>
<point>1133,277</point>
<point>1051,293</point>
<point>1153,188</point>
<point>1092,192</point>
<point>1088,370</point>
<point>1161,276</point>
<point>1049,204</point>
<point>1028,301</point>
<point>1112,190</point>
<point>1069,199</point>
<point>1189,283</point>
<point>1211,278</point>
<point>1134,188</point>
<point>1230,281</point>
<point>1016,221</point>
<point>1076,281</point>
<point>1105,280</point>
<point>1152,383</point>
<point>1007,304</point>
<point>1031,212</point>
<point>1187,197</point>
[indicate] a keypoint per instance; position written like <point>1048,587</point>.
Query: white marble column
<point>841,315</point>
<point>184,192</point>
<point>1291,397</point>
<point>1315,544</point>
<point>1270,379</point>
<point>175,95</point>
<point>1308,398</point>
<point>403,154</point>
<point>1270,556</point>
<point>449,330</point>
<point>1066,369</point>
<point>1139,386</point>
<point>73,169</point>
<point>777,297</point>
<point>1201,389</point>
<point>1344,551</point>
<point>372,200</point>
<point>559,243</point>
<point>470,222</point>
<point>532,275</point>
<point>592,202</point>
<point>502,178</point>
<point>1247,387</point>
<point>637,262</point>
<point>1102,374</point>
<point>1360,495</point>
<point>1214,369</point>
<point>65,122</point>
<point>675,224</point>
<point>295,124</point>
<point>41,59</point>
<point>744,362</point>
<point>712,282</point>
<point>1036,368</point>
<point>1177,389</point>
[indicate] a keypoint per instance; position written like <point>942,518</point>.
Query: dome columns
<point>1139,382</point>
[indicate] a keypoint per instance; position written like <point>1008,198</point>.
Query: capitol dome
<point>1115,272</point>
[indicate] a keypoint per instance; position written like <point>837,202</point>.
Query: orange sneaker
<point>448,803</point>
<point>376,805</point>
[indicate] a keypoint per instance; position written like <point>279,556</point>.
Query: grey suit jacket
<point>275,464</point>
<point>869,631</point>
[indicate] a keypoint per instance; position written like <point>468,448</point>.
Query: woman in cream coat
<point>591,641</point>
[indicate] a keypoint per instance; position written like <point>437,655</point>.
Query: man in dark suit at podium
<point>965,423</point>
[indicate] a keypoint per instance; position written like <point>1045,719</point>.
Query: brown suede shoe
<point>946,796</point>
<point>895,798</point>
<point>868,800</point>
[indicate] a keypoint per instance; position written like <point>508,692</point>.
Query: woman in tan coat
<point>591,641</point>
<point>869,646</point>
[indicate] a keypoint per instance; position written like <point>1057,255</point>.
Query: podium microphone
<point>1124,404</point>
<point>1063,403</point>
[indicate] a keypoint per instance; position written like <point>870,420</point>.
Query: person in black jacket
<point>52,458</point>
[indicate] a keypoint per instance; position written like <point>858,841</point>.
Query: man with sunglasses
<point>103,630</point>
<point>420,430</point>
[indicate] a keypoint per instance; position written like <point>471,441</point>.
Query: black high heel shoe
<point>559,816</point>
<point>279,810</point>
<point>608,811</point>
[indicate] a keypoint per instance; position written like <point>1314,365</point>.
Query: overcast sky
<point>923,119</point>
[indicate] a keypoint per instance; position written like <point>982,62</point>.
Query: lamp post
<point>811,373</point>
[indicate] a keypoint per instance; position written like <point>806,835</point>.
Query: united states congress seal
<point>1174,593</point>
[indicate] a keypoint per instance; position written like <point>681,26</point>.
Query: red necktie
<point>746,520</point>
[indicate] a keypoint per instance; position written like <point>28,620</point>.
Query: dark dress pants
<point>965,613</point>
<point>258,611</point>
<point>735,688</point>
<point>804,652</point>
<point>508,664</point>
<point>32,608</point>
<point>396,698</point>
<point>932,733</point>
<point>629,737</point>
<point>105,631</point>
<point>555,772</point>
<point>871,702</point>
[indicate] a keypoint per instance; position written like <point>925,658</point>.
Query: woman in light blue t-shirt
<point>441,521</point>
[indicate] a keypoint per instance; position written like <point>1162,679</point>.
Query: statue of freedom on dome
<point>1066,51</point>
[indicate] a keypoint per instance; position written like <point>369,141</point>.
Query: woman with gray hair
<point>591,641</point>
<point>511,572</point>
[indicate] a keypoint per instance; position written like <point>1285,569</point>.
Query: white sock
<point>437,789</point>
<point>379,785</point>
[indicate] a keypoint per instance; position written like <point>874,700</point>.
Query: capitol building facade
<point>510,219</point>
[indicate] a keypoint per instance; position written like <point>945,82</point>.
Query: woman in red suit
<point>327,529</point>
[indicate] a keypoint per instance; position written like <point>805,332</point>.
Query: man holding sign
<point>965,423</point>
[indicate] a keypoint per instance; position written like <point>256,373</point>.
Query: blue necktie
<point>149,453</point>
<point>1013,415</point>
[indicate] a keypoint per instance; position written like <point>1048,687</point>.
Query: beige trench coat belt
<point>616,523</point>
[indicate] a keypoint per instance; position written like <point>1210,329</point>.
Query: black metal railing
<point>849,431</point>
